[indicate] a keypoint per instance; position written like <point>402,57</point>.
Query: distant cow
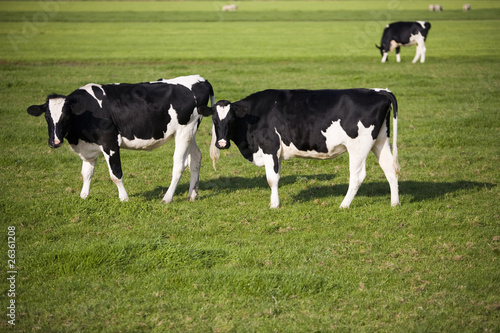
<point>466,7</point>
<point>99,119</point>
<point>275,125</point>
<point>229,8</point>
<point>404,34</point>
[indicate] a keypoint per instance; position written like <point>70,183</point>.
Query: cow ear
<point>239,110</point>
<point>36,110</point>
<point>378,47</point>
<point>205,111</point>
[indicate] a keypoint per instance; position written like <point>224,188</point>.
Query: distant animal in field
<point>399,34</point>
<point>229,8</point>
<point>275,125</point>
<point>438,8</point>
<point>101,119</point>
<point>466,7</point>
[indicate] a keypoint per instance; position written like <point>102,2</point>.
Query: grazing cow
<point>466,7</point>
<point>404,34</point>
<point>275,125</point>
<point>99,119</point>
<point>229,8</point>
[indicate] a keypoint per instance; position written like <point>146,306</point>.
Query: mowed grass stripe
<point>248,16</point>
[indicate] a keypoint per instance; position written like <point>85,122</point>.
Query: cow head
<point>380,48</point>
<point>223,115</point>
<point>57,118</point>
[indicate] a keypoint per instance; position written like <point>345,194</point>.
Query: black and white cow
<point>404,34</point>
<point>100,119</point>
<point>275,125</point>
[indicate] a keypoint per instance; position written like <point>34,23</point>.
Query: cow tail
<point>395,132</point>
<point>214,151</point>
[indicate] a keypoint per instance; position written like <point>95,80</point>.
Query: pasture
<point>226,262</point>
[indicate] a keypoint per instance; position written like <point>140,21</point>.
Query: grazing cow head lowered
<point>275,125</point>
<point>100,119</point>
<point>404,34</point>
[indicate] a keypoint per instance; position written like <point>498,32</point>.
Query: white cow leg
<point>422,53</point>
<point>273,179</point>
<point>382,151</point>
<point>398,54</point>
<point>384,57</point>
<point>115,172</point>
<point>194,167</point>
<point>181,153</point>
<point>420,49</point>
<point>87,173</point>
<point>417,55</point>
<point>357,170</point>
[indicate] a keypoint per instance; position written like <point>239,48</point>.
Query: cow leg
<point>384,57</point>
<point>181,153</point>
<point>420,49</point>
<point>382,151</point>
<point>272,163</point>
<point>398,56</point>
<point>194,161</point>
<point>115,170</point>
<point>357,171</point>
<point>89,153</point>
<point>87,173</point>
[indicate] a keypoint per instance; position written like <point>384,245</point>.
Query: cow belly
<point>290,151</point>
<point>142,144</point>
<point>86,150</point>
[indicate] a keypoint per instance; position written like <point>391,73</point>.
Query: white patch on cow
<point>223,111</point>
<point>56,108</point>
<point>186,81</point>
<point>337,139</point>
<point>259,158</point>
<point>380,89</point>
<point>288,152</point>
<point>88,88</point>
<point>422,23</point>
<point>150,144</point>
<point>415,39</point>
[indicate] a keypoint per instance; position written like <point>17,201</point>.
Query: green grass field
<point>226,262</point>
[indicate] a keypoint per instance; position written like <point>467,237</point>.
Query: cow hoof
<point>166,201</point>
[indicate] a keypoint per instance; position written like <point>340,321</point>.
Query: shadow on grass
<point>418,191</point>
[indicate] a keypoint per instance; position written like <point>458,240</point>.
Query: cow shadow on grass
<point>416,190</point>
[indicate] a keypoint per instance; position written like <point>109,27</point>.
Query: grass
<point>226,262</point>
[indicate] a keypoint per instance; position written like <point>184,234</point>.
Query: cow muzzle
<point>222,144</point>
<point>55,144</point>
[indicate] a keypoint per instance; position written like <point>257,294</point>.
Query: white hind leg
<point>194,162</point>
<point>382,151</point>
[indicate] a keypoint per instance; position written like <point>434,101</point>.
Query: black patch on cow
<point>98,93</point>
